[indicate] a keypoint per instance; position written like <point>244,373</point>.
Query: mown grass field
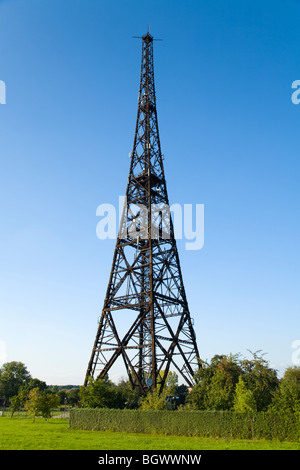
<point>23,434</point>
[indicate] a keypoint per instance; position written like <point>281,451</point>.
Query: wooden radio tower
<point>145,280</point>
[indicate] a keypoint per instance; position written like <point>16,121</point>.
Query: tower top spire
<point>148,37</point>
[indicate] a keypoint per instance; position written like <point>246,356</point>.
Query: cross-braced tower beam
<point>146,277</point>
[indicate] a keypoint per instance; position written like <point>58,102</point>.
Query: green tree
<point>244,399</point>
<point>131,396</point>
<point>32,403</point>
<point>196,398</point>
<point>287,396</point>
<point>13,375</point>
<point>47,402</point>
<point>215,384</point>
<point>222,387</point>
<point>17,401</point>
<point>15,404</point>
<point>36,383</point>
<point>172,383</point>
<point>72,396</point>
<point>40,402</point>
<point>261,379</point>
<point>154,400</point>
<point>101,393</point>
<point>157,400</point>
<point>62,397</point>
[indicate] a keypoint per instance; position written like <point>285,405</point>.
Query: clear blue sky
<point>230,135</point>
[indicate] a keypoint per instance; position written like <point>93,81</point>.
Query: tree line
<point>227,382</point>
<point>19,390</point>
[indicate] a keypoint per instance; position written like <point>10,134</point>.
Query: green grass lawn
<point>24,434</point>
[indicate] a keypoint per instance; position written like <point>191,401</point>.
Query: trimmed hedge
<point>262,425</point>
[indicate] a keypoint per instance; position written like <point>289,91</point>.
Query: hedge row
<point>285,426</point>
